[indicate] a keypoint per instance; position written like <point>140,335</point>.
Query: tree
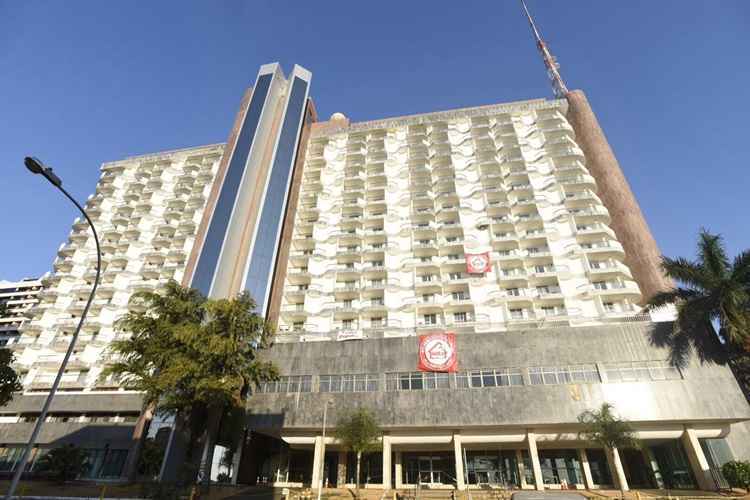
<point>737,474</point>
<point>193,358</point>
<point>9,381</point>
<point>711,290</point>
<point>610,432</point>
<point>358,431</point>
<point>65,463</point>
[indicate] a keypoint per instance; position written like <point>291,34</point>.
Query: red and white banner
<point>437,353</point>
<point>477,263</point>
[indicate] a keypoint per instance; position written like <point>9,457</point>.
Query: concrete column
<point>398,471</point>
<point>341,470</point>
<point>653,466</point>
<point>697,459</point>
<point>459,456</point>
<point>588,481</point>
<point>616,469</point>
<point>536,466</point>
<point>318,455</point>
<point>387,462</point>
<point>521,469</point>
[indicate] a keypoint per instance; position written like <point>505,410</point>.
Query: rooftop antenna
<point>553,69</point>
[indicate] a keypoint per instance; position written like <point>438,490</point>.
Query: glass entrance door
<point>433,468</point>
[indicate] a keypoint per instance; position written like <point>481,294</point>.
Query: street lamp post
<point>323,458</point>
<point>37,167</point>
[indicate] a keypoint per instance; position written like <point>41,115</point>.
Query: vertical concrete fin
<point>642,255</point>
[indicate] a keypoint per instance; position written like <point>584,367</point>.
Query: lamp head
<point>34,165</point>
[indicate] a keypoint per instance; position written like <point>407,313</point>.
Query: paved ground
<point>547,495</point>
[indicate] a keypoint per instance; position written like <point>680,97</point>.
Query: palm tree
<point>712,290</point>
<point>610,432</point>
<point>358,432</point>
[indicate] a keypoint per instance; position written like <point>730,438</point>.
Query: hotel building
<point>510,226</point>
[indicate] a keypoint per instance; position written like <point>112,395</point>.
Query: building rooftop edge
<point>167,152</point>
<point>326,128</point>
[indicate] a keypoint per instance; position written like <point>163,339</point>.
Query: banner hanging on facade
<point>477,263</point>
<point>437,353</point>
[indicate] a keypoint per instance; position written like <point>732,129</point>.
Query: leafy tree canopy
<point>188,353</point>
<point>64,463</point>
<point>358,431</point>
<point>710,289</point>
<point>606,429</point>
<point>9,380</point>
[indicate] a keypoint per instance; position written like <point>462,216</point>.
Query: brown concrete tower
<point>642,255</point>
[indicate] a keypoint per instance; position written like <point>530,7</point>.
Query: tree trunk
<point>139,436</point>
<point>356,479</point>
<point>209,441</point>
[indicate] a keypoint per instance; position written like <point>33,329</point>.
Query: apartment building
<point>16,302</point>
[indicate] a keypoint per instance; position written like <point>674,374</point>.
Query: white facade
<point>146,210</point>
<point>18,298</point>
<point>389,209</point>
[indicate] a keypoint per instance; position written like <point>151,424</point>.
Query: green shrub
<point>737,473</point>
<point>64,463</point>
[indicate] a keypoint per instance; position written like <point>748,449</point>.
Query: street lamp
<point>37,167</point>
<point>323,458</point>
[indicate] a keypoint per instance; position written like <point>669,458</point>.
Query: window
<point>513,292</point>
<point>376,263</point>
<point>377,301</point>
<point>500,377</point>
<point>609,306</point>
<point>417,381</point>
<point>425,259</point>
<point>347,324</point>
<point>302,288</point>
<point>576,374</point>
<point>378,282</point>
<point>376,321</point>
<point>360,382</point>
<point>426,278</point>
<point>430,319</point>
<point>462,295</point>
<point>428,298</point>
<point>600,285</point>
<point>349,265</point>
<point>460,317</point>
<point>516,313</point>
<point>298,326</point>
<point>454,276</point>
<point>288,384</point>
<point>348,304</point>
<point>638,371</point>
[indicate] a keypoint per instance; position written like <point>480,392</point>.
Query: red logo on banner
<point>437,353</point>
<point>477,263</point>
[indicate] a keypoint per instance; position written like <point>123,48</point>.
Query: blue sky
<point>87,82</point>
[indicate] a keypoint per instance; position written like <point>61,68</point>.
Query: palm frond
<point>674,296</point>
<point>741,269</point>
<point>712,255</point>
<point>690,274</point>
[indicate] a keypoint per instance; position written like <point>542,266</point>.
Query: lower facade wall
<point>672,459</point>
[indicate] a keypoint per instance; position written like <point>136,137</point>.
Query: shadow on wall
<point>106,447</point>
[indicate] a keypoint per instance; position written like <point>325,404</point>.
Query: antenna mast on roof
<point>553,69</point>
